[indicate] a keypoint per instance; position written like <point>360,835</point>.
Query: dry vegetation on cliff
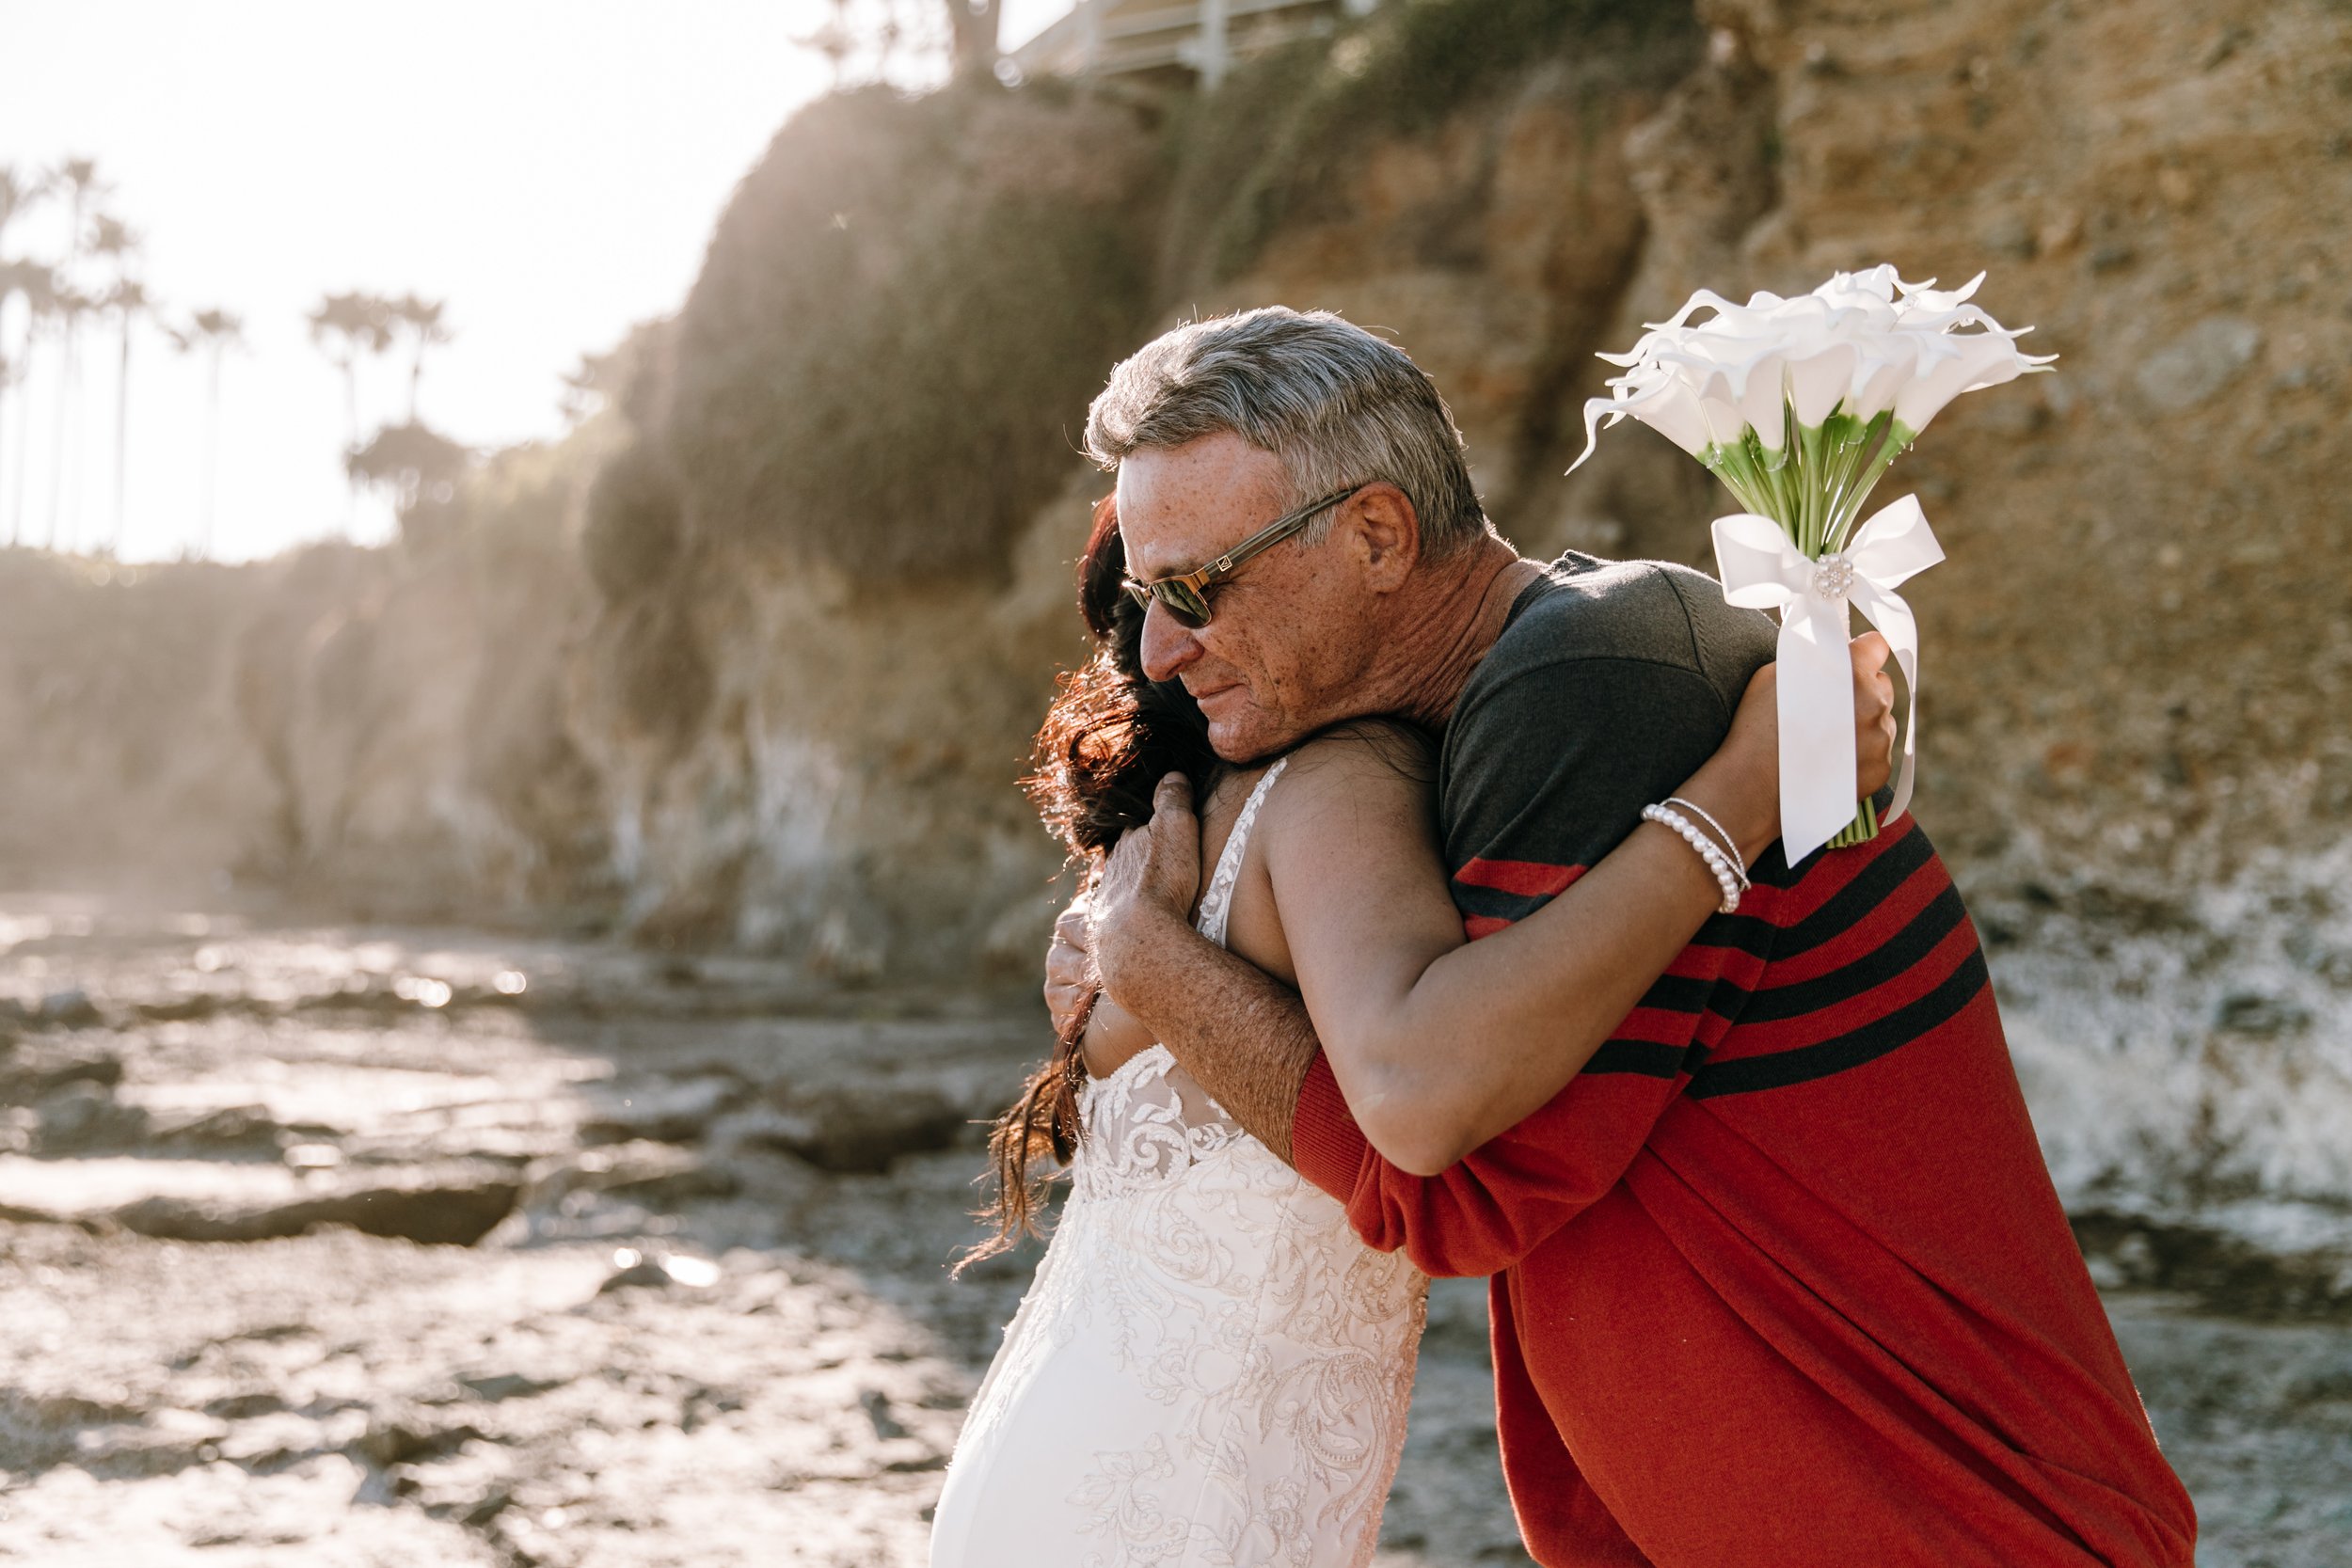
<point>901,310</point>
<point>1285,145</point>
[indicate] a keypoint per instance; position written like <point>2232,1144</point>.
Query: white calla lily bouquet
<point>1799,405</point>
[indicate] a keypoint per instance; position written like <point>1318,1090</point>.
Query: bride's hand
<point>1874,727</point>
<point>1149,879</point>
<point>1740,782</point>
<point>1071,983</point>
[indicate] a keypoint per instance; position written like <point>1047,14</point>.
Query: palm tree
<point>127,298</point>
<point>37,286</point>
<point>346,327</point>
<point>836,40</point>
<point>112,238</point>
<point>67,307</point>
<point>216,332</point>
<point>871,34</point>
<point>79,179</point>
<point>422,320</point>
<point>79,176</point>
<point>18,193</point>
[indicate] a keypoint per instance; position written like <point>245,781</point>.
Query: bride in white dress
<point>1210,1367</point>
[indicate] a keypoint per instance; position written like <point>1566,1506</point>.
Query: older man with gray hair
<point>1779,1275</point>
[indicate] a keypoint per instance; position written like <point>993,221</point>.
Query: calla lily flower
<point>1753,387</point>
<point>1878,377</point>
<point>1666,405</point>
<point>1923,297</point>
<point>1975,360</point>
<point>1817,386</point>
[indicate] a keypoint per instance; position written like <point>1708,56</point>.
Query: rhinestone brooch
<point>1833,577</point>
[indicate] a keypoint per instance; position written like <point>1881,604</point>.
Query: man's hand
<point>1150,879</point>
<point>1071,983</point>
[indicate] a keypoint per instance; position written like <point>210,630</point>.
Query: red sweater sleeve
<point>1501,1201</point>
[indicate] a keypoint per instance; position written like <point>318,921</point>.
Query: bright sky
<point>551,168</point>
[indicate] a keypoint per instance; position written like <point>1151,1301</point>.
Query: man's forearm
<point>1242,1033</point>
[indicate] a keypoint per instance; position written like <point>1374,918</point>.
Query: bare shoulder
<point>1346,829</point>
<point>1376,764</point>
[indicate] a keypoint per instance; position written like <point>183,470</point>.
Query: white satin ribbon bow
<point>1762,570</point>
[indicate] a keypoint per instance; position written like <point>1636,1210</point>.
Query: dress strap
<point>1217,902</point>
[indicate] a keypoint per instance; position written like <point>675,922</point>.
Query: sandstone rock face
<point>851,796</point>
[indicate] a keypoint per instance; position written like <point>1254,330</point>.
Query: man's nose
<point>1168,647</point>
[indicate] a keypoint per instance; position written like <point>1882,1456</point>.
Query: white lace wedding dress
<point>1209,1369</point>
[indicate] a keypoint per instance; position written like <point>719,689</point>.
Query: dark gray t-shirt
<point>1612,682</point>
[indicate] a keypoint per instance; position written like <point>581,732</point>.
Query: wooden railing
<point>1129,38</point>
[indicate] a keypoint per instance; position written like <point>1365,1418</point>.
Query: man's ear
<point>1385,533</point>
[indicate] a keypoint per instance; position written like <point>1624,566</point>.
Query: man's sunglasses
<point>1186,597</point>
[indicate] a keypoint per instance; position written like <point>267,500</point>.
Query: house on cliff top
<point>1156,43</point>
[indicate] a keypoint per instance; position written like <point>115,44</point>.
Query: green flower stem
<point>1849,440</point>
<point>1861,830</point>
<point>1771,470</point>
<point>1784,481</point>
<point>1815,486</point>
<point>1898,441</point>
<point>1732,463</point>
<point>1808,444</point>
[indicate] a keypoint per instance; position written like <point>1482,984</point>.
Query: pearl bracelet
<point>1705,847</point>
<point>1731,847</point>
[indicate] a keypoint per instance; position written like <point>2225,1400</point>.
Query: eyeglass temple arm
<point>1264,539</point>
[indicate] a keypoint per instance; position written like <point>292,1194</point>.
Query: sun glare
<point>547,170</point>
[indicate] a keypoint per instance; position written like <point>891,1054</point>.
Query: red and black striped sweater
<point>1781,1279</point>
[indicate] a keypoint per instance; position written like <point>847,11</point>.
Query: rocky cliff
<point>766,680</point>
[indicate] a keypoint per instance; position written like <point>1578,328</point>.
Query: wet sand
<point>335,1245</point>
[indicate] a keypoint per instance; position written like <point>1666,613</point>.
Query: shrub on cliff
<point>1275,145</point>
<point>902,316</point>
<point>631,541</point>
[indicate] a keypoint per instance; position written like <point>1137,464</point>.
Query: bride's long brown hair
<point>1109,737</point>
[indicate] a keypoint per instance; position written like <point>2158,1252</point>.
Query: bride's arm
<point>1113,1034</point>
<point>1436,1045</point>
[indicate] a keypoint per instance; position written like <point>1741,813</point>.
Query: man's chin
<point>1245,738</point>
